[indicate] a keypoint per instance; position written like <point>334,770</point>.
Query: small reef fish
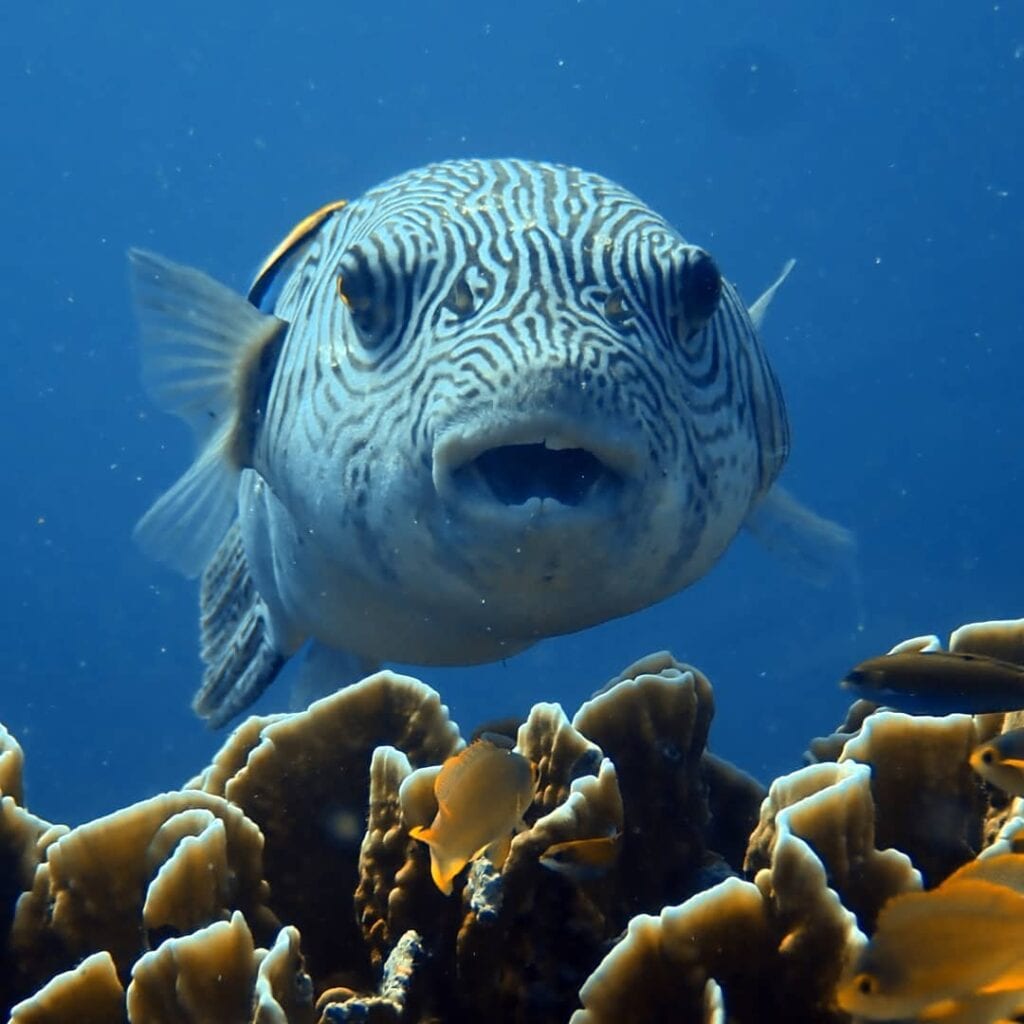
<point>939,683</point>
<point>481,793</point>
<point>950,954</point>
<point>488,402</point>
<point>582,860</point>
<point>1000,761</point>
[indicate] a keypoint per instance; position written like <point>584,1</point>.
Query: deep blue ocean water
<point>878,143</point>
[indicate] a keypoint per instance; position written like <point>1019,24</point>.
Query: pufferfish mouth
<point>530,466</point>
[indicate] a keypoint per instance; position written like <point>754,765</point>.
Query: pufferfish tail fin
<point>236,635</point>
<point>817,549</point>
<point>208,357</point>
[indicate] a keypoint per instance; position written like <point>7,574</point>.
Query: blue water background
<point>879,143</point>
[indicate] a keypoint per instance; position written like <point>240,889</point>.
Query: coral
<point>90,994</point>
<point>650,880</point>
<point>831,807</point>
<point>11,761</point>
<point>1003,639</point>
<point>207,975</point>
<point>722,946</point>
<point>125,881</point>
<point>922,762</point>
<point>395,891</point>
<point>305,783</point>
<point>560,752</point>
<point>653,723</point>
<point>283,992</point>
<point>678,953</point>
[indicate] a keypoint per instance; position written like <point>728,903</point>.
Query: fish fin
<point>205,359</point>
<point>817,549</point>
<point>496,851</point>
<point>443,867</point>
<point>758,310</point>
<point>1011,981</point>
<point>186,523</point>
<point>321,670</point>
<point>236,635</point>
<point>198,341</point>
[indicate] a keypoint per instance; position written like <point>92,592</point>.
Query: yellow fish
<point>481,793</point>
<point>583,859</point>
<point>951,954</point>
<point>1001,761</point>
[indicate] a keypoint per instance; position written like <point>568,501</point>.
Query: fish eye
<point>367,291</point>
<point>701,290</point>
<point>865,984</point>
<point>988,756</point>
<point>616,308</point>
<point>687,285</point>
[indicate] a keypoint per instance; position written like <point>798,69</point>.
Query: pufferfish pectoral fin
<point>236,635</point>
<point>817,549</point>
<point>207,356</point>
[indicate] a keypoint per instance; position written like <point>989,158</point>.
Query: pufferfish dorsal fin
<point>208,356</point>
<point>760,307</point>
<point>241,661</point>
<point>287,249</point>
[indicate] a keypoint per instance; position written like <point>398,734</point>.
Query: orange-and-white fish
<point>481,793</point>
<point>952,954</point>
<point>1001,761</point>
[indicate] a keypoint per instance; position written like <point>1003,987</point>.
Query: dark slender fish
<point>939,683</point>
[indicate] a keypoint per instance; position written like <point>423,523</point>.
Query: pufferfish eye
<point>685,288</point>
<point>368,291</point>
<point>701,290</point>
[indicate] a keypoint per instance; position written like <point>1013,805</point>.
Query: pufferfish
<point>488,402</point>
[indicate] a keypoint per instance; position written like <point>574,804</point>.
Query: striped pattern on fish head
<point>513,392</point>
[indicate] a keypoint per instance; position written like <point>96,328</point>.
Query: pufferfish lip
<point>527,465</point>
